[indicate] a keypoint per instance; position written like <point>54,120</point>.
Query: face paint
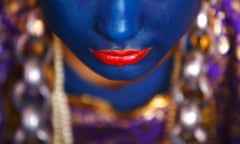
<point>120,39</point>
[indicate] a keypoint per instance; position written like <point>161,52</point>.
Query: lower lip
<point>120,57</point>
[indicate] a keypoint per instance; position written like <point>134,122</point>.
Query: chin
<point>125,73</point>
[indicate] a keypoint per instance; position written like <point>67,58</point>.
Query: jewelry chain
<point>61,119</point>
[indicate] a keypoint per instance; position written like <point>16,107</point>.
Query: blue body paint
<point>116,25</point>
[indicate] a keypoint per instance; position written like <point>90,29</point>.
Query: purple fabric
<point>228,99</point>
<point>6,58</point>
<point>139,133</point>
<point>102,130</point>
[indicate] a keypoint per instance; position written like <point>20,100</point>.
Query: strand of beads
<point>30,93</point>
<point>206,47</point>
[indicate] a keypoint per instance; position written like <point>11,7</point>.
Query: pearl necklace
<point>61,118</point>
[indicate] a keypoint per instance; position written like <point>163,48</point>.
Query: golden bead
<point>205,43</point>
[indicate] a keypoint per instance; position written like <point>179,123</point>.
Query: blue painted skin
<point>120,24</point>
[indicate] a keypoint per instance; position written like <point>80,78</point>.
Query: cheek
<point>170,19</point>
<point>68,14</point>
<point>166,12</point>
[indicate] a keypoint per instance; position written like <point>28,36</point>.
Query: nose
<point>119,20</point>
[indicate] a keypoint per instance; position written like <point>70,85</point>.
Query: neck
<point>122,95</point>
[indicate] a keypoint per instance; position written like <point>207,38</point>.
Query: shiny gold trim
<point>153,109</point>
<point>209,121</point>
<point>177,62</point>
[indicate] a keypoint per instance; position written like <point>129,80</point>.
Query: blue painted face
<point>120,39</point>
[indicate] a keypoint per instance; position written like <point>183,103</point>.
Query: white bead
<point>30,118</point>
<point>200,135</point>
<point>32,72</point>
<point>189,115</point>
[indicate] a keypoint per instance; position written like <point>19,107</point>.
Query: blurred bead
<point>182,92</point>
<point>24,95</point>
<point>32,72</point>
<point>205,43</point>
<point>218,27</point>
<point>192,69</point>
<point>221,33</point>
<point>177,93</point>
<point>189,115</point>
<point>34,43</point>
<point>176,130</point>
<point>206,88</point>
<point>236,5</point>
<point>19,136</point>
<point>194,85</point>
<point>182,135</point>
<point>223,45</point>
<point>203,16</point>
<point>44,91</point>
<point>43,135</point>
<point>13,6</point>
<point>193,65</point>
<point>218,19</point>
<point>177,140</point>
<point>198,39</point>
<point>24,137</point>
<point>200,135</point>
<point>32,47</point>
<point>35,25</point>
<point>30,118</point>
<point>176,136</point>
<point>202,20</point>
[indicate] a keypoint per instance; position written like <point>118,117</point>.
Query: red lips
<point>120,57</point>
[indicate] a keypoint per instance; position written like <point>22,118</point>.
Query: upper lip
<point>120,57</point>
